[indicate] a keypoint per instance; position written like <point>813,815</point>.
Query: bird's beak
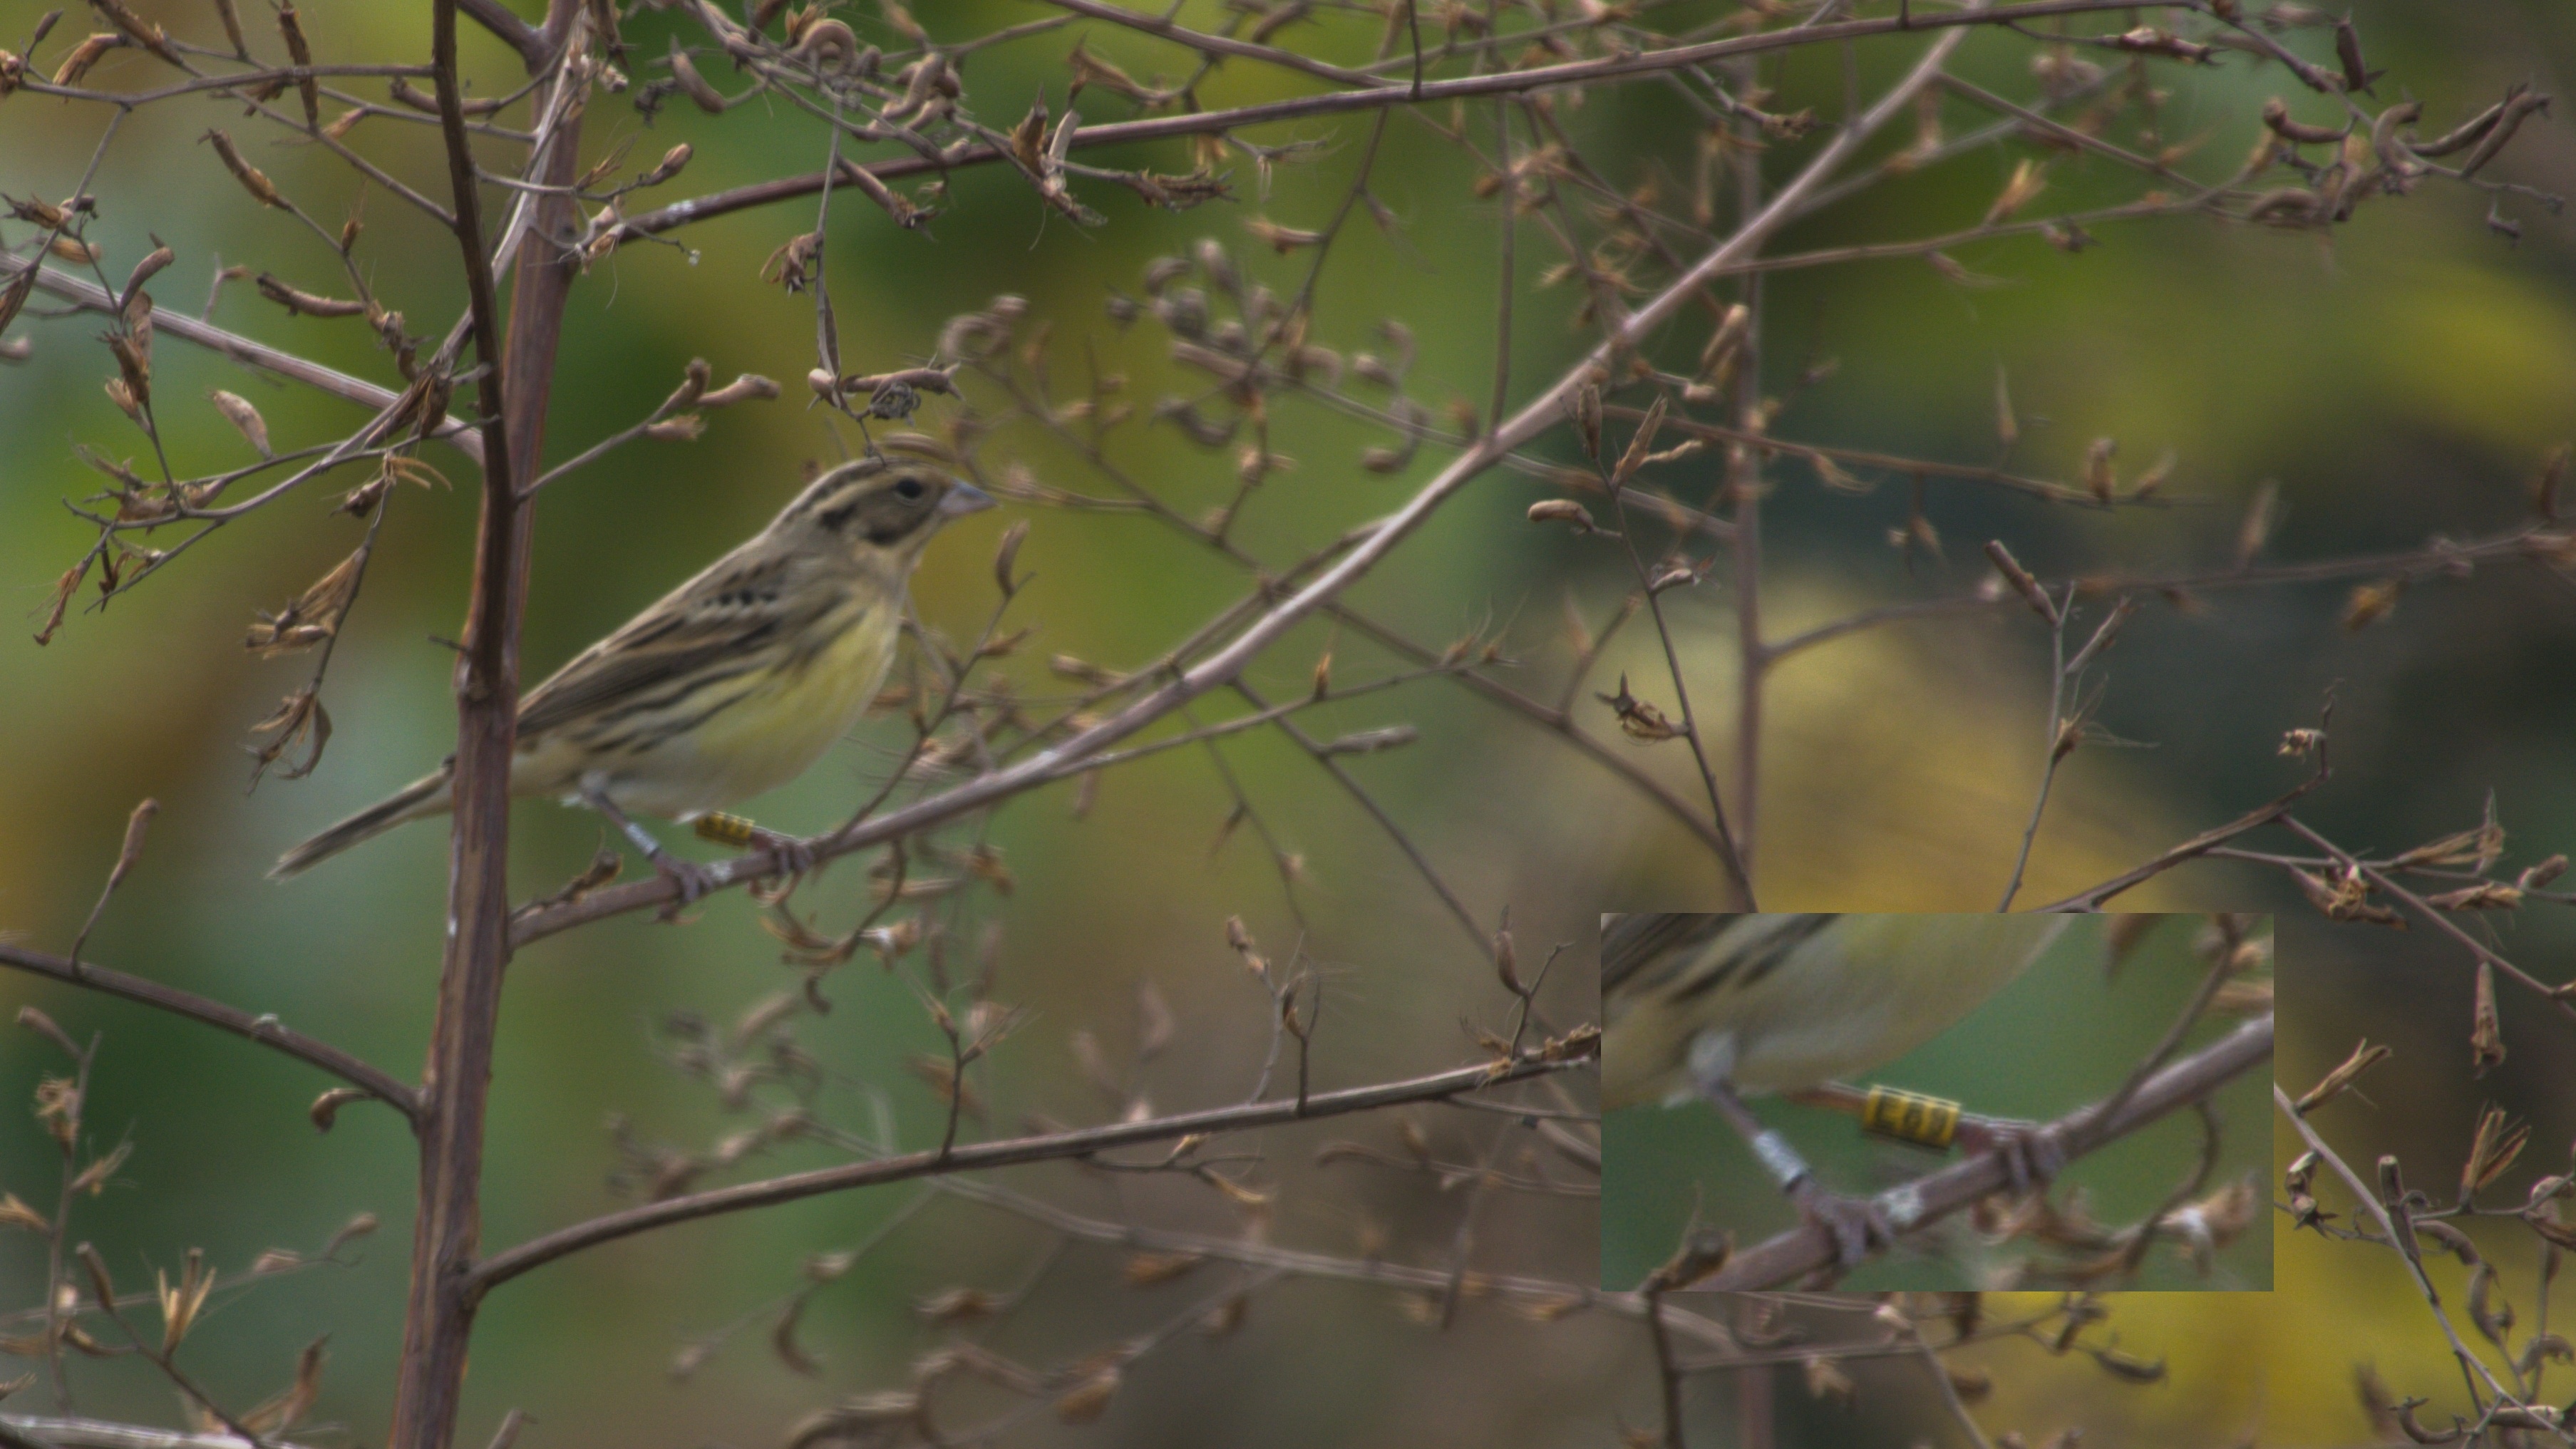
<point>963,498</point>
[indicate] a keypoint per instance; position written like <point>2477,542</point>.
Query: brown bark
<point>439,1318</point>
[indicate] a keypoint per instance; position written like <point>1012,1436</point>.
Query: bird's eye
<point>909,490</point>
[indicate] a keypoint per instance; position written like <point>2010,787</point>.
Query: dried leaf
<point>2486,1033</point>
<point>1639,719</point>
<point>1086,1401</point>
<point>1640,443</point>
<point>782,1341</point>
<point>298,302</point>
<point>238,411</point>
<point>313,616</point>
<point>284,1411</point>
<point>299,718</point>
<point>251,177</point>
<point>84,55</point>
<point>1282,239</point>
<point>2333,1084</point>
<point>93,1178</point>
<point>2029,179</point>
<point>179,1306</point>
<point>2371,603</point>
<point>2492,1151</point>
<point>1144,1270</point>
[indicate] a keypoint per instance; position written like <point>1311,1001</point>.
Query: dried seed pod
<point>2517,107</point>
<point>2027,182</point>
<point>14,296</point>
<point>828,46</point>
<point>2544,488</point>
<point>2099,479</point>
<point>142,32</point>
<point>251,177</point>
<point>1218,263</point>
<point>748,385</point>
<point>2021,580</point>
<point>2370,603</point>
<point>1185,311</point>
<point>1369,742</point>
<point>1086,1401</point>
<point>133,363</point>
<point>85,55</point>
<point>230,14</point>
<point>299,302</point>
<point>2261,516</point>
<point>2276,117</point>
<point>291,29</point>
<point>672,160</point>
<point>145,270</point>
<point>1584,407</point>
<point>1006,557</point>
<point>1640,443</point>
<point>2334,1083</point>
<point>694,85</point>
<point>2467,133</point>
<point>1726,340</point>
<point>2356,76</point>
<point>1282,239</point>
<point>99,1281</point>
<point>312,616</point>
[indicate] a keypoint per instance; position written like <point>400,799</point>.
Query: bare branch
<point>1809,1249</point>
<point>263,1028</point>
<point>91,297</point>
<point>510,1263</point>
<point>1376,96</point>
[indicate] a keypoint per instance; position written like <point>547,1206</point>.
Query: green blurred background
<point>2399,376</point>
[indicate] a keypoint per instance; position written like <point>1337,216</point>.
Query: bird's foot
<point>693,880</point>
<point>790,857</point>
<point>2031,1156</point>
<point>795,857</point>
<point>1858,1226</point>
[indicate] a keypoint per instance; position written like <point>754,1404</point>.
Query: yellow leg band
<point>1910,1117</point>
<point>736,831</point>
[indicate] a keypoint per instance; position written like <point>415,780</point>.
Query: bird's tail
<point>427,795</point>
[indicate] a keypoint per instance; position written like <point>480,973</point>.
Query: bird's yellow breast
<point>799,712</point>
<point>792,712</point>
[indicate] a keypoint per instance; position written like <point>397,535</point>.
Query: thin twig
<point>262,1028</point>
<point>510,1263</point>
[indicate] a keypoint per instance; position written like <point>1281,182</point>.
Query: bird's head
<point>879,506</point>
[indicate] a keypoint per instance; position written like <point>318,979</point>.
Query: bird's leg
<point>691,877</point>
<point>1856,1224</point>
<point>2031,1157</point>
<point>794,856</point>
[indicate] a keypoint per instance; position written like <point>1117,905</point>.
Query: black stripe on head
<point>877,500</point>
<point>1671,954</point>
<point>1788,933</point>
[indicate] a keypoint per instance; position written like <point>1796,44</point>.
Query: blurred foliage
<point>2398,376</point>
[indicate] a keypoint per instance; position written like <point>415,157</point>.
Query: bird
<point>729,685</point>
<point>1715,1007</point>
